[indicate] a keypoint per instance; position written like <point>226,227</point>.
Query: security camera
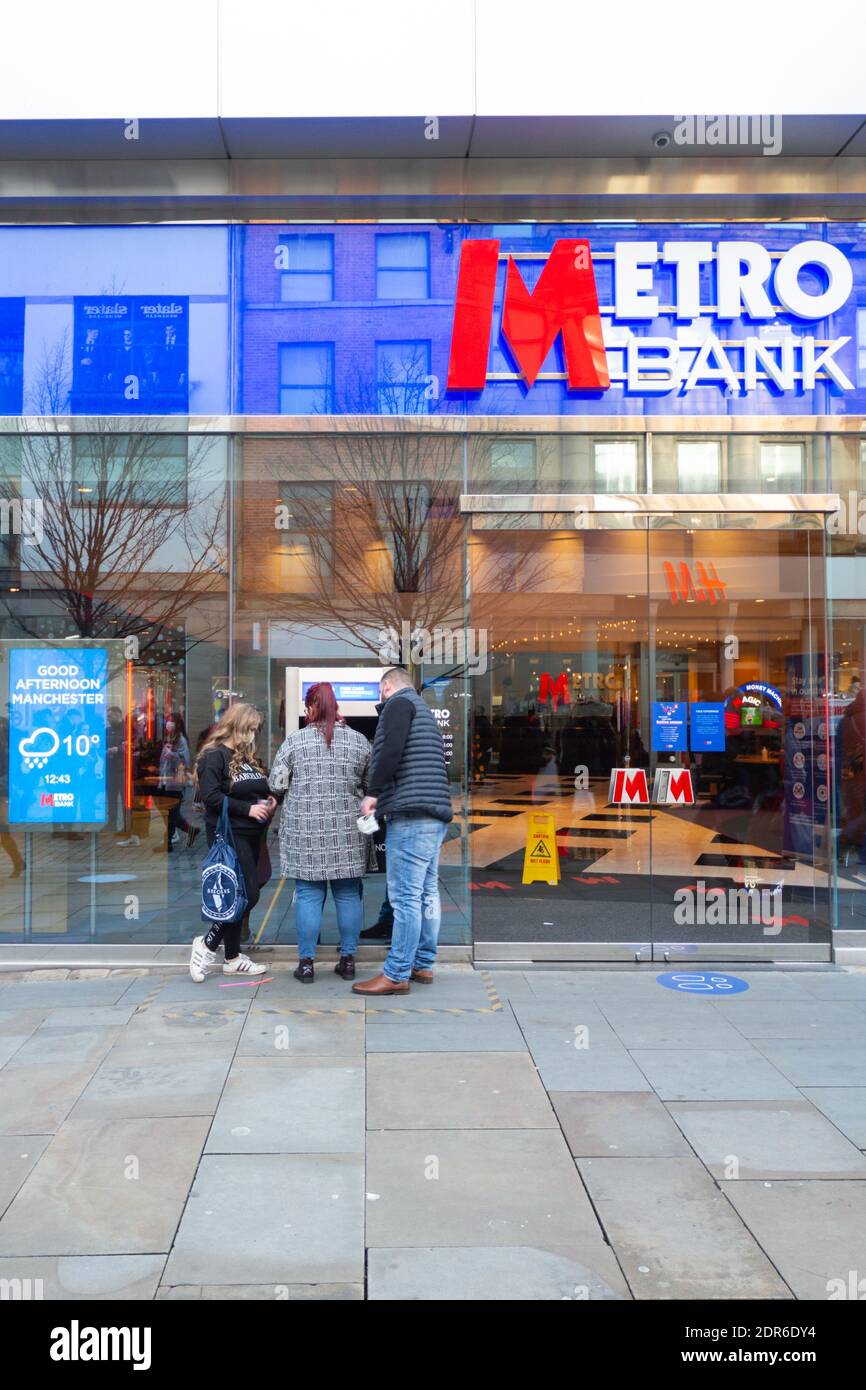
<point>661,139</point>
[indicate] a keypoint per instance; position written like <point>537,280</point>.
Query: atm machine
<point>356,689</point>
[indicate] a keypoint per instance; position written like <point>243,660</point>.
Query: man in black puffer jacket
<point>408,784</point>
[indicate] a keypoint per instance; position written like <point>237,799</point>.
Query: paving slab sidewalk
<point>537,1135</point>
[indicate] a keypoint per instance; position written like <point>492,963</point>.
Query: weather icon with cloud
<point>41,745</point>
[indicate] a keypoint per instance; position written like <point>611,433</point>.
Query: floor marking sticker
<point>702,982</point>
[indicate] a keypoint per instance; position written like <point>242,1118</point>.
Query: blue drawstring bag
<point>223,891</point>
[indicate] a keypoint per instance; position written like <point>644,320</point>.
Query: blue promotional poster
<point>57,721</point>
<point>131,355</point>
<point>669,726</point>
<point>707,734</point>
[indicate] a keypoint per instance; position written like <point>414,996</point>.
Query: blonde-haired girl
<point>228,769</point>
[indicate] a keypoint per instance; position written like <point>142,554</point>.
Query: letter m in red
<point>564,301</point>
<point>550,690</point>
<point>709,588</point>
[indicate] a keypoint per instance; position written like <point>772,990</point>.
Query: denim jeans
<point>412,860</point>
<point>349,901</point>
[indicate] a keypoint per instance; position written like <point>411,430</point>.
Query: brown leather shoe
<point>423,977</point>
<point>380,984</point>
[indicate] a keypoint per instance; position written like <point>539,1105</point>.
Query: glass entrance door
<point>653,713</point>
<point>741,847</point>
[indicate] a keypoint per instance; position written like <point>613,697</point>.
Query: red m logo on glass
<point>709,588</point>
<point>557,690</point>
<point>564,301</point>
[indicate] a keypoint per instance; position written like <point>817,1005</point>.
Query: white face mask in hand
<point>368,825</point>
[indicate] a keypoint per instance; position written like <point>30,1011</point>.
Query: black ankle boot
<point>380,931</point>
<point>345,967</point>
<point>305,972</point>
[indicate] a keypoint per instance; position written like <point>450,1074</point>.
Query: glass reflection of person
<point>7,840</point>
<point>174,770</point>
<point>482,744</point>
<point>119,815</point>
<point>851,735</point>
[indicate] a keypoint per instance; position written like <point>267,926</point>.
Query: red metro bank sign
<point>712,284</point>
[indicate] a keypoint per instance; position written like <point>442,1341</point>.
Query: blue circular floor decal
<point>702,982</point>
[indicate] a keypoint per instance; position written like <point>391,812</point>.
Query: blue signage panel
<point>707,732</point>
<point>350,692</point>
<point>675,324</point>
<point>702,982</point>
<point>57,709</point>
<point>424,318</point>
<point>669,726</point>
<point>131,355</point>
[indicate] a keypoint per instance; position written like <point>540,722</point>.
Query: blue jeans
<point>412,860</point>
<point>310,900</point>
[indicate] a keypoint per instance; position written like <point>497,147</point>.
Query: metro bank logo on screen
<point>748,283</point>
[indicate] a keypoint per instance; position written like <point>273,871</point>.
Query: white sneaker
<point>242,965</point>
<point>200,960</point>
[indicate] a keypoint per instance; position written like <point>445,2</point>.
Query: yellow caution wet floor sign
<point>541,860</point>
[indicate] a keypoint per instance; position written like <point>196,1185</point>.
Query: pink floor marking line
<point>250,984</point>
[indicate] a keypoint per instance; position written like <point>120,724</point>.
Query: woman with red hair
<point>321,768</point>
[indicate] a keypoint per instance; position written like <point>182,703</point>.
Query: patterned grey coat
<point>324,786</point>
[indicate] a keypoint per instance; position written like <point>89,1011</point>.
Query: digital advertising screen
<point>57,723</point>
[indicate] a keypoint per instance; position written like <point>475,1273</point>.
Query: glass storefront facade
<point>231,460</point>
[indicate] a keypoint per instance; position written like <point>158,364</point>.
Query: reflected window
<point>307,535</point>
<point>614,463</point>
<point>306,378</point>
<point>699,465</point>
<point>861,347</point>
<point>403,265</point>
<point>309,268</point>
<point>135,471</point>
<point>512,463</point>
<point>782,467</point>
<point>402,378</point>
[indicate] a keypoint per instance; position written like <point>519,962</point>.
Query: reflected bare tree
<point>133,523</point>
<point>374,521</point>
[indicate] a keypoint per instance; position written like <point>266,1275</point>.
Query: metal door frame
<point>650,512</point>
